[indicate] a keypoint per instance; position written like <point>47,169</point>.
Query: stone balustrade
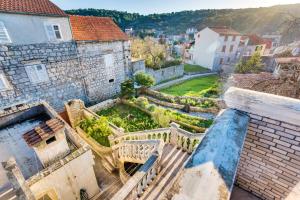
<point>137,184</point>
<point>184,139</point>
<point>137,151</point>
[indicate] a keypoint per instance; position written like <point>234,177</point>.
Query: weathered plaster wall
<point>30,29</point>
<point>69,179</point>
<point>270,161</point>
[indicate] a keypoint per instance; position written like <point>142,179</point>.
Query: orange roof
<point>43,131</point>
<point>256,40</point>
<point>225,31</point>
<point>89,28</point>
<point>288,60</point>
<point>33,7</point>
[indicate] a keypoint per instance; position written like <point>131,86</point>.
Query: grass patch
<point>188,68</point>
<point>198,87</point>
<point>129,118</point>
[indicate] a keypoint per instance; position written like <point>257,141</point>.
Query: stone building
<point>42,157</point>
<point>45,63</point>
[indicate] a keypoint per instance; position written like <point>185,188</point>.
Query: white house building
<point>214,47</point>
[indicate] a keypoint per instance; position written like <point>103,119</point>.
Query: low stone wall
<point>165,74</point>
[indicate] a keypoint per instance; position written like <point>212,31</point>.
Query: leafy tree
<point>144,79</point>
<point>154,53</point>
<point>127,88</point>
<point>253,65</point>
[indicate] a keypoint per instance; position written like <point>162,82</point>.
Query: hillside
<point>251,20</point>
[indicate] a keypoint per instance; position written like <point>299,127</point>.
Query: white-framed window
<point>37,73</point>
<point>4,37</point>
<point>53,32</point>
<point>4,85</point>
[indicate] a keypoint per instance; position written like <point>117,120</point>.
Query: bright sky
<point>162,6</point>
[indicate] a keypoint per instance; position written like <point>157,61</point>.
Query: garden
<point>208,86</point>
<point>138,115</point>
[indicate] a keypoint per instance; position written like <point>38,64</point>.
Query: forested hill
<point>251,20</point>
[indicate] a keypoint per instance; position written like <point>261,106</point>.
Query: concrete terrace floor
<point>240,194</point>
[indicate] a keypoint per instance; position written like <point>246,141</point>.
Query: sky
<point>163,6</point>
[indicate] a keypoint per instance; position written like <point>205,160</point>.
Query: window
<point>109,60</point>
<point>3,83</point>
<point>224,48</point>
<point>111,80</point>
<point>234,38</point>
<point>226,38</point>
<point>231,48</point>
<point>51,140</point>
<point>53,32</point>
<point>221,61</point>
<point>4,37</point>
<point>37,73</point>
<point>228,60</point>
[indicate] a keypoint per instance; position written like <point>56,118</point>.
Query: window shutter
<point>50,32</point>
<point>2,82</point>
<point>42,73</point>
<point>109,60</point>
<point>4,37</point>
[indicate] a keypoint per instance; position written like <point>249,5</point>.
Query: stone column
<point>17,179</point>
<point>174,133</point>
<point>74,110</point>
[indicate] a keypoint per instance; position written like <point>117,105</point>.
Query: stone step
<point>7,193</point>
<point>171,166</point>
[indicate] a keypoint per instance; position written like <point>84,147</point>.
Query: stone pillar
<point>17,180</point>
<point>174,134</point>
<point>74,110</point>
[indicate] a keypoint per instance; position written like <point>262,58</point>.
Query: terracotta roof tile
<point>287,60</point>
<point>89,28</point>
<point>256,40</point>
<point>225,31</point>
<point>43,131</point>
<point>35,7</point>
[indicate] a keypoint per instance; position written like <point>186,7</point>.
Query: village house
<point>41,61</point>
<point>42,157</point>
<point>214,47</point>
<point>254,43</point>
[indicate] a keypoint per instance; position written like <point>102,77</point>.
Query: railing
<point>138,151</point>
<point>136,185</point>
<point>162,133</point>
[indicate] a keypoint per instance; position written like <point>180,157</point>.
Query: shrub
<point>253,65</point>
<point>98,129</point>
<point>161,116</point>
<point>144,79</point>
<point>171,63</point>
<point>142,102</point>
<point>127,88</point>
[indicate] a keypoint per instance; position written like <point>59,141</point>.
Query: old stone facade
<point>72,70</point>
<point>269,164</point>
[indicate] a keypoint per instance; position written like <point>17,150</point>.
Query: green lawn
<point>198,87</point>
<point>194,68</point>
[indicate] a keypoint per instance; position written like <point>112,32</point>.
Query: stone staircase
<point>7,193</point>
<point>171,164</point>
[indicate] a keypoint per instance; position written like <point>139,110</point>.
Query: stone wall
<point>74,72</point>
<point>270,161</point>
<point>165,74</point>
